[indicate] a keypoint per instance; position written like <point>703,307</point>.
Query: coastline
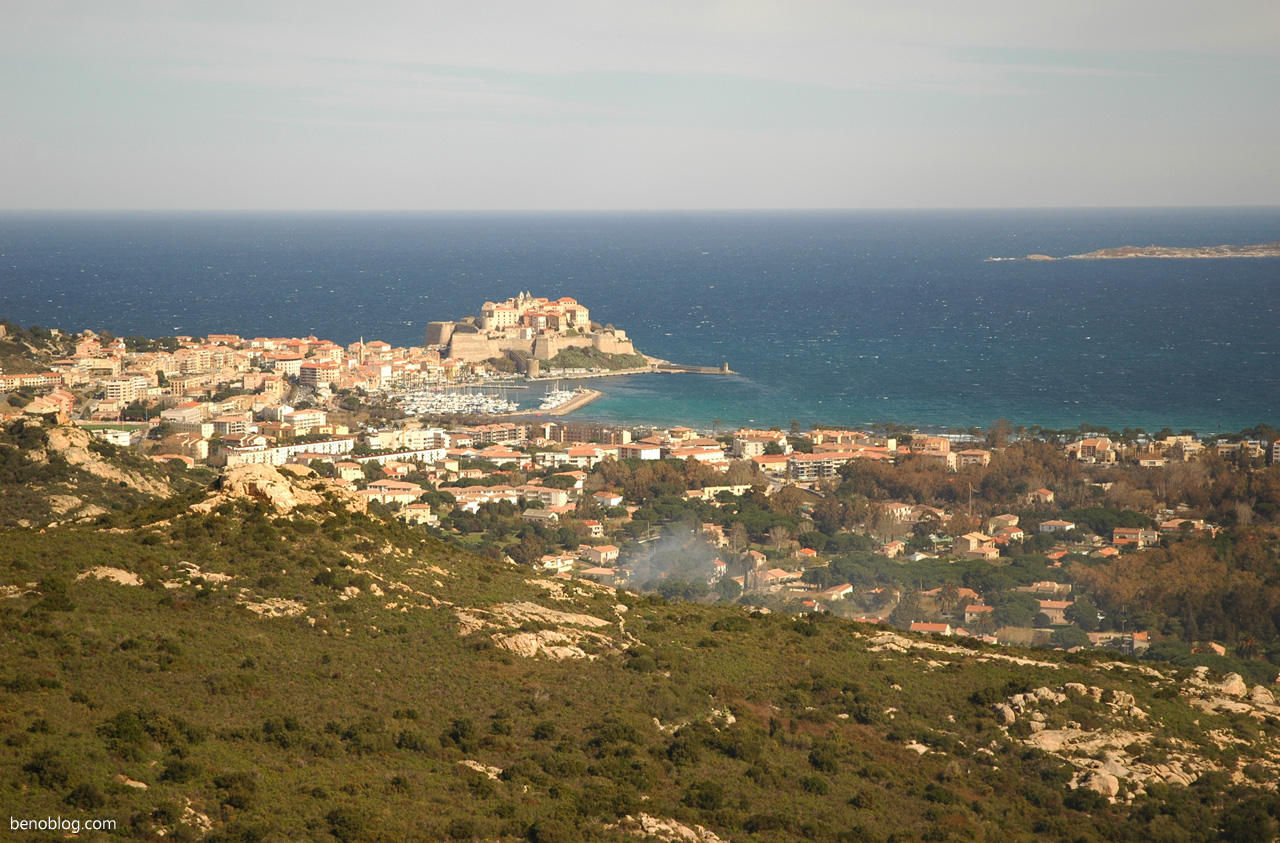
<point>575,377</point>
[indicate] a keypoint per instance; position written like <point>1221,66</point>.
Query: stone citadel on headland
<point>529,327</point>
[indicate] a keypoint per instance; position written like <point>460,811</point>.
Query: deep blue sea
<point>836,317</point>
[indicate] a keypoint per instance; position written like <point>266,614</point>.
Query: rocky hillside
<point>262,661</point>
<point>54,475</point>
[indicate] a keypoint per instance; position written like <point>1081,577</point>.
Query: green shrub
<point>346,824</point>
<point>1084,800</point>
<point>642,664</point>
<point>461,734</point>
<point>86,797</point>
<point>705,796</point>
<point>180,771</point>
<point>552,831</point>
<point>815,784</point>
<point>732,623</point>
<point>824,759</point>
<point>48,769</point>
<point>237,789</point>
<point>462,828</point>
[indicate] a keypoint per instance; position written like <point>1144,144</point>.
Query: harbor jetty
<point>679,368</point>
<point>577,402</point>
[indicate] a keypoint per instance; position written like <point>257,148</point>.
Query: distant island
<point>1258,250</point>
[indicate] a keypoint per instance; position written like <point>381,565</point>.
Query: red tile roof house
<point>973,545</point>
<point>560,562</point>
<point>393,491</point>
<point>777,576</point>
<point>776,464</point>
<point>972,613</point>
<point>418,513</point>
<point>892,549</point>
<point>897,511</point>
<point>1056,610</point>
<point>1010,534</point>
<point>600,555</point>
<point>715,534</point>
<point>994,525</point>
<point>962,593</point>
<point>933,628</point>
<point>1140,536</point>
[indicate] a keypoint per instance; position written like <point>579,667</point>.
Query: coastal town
<point>996,535</point>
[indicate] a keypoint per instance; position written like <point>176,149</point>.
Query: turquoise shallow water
<point>848,317</point>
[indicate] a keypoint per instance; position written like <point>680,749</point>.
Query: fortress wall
<point>613,343</point>
<point>439,333</point>
<point>545,348</point>
<point>474,347</point>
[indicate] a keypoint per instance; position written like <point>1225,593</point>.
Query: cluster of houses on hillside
<point>225,400</point>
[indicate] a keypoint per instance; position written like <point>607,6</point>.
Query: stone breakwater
<point>577,402</point>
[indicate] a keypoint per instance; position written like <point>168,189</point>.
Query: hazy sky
<point>469,104</point>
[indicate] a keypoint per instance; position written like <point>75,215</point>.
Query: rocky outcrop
<point>72,444</point>
<point>892,642</point>
<point>562,635</point>
<point>116,575</point>
<point>1228,696</point>
<point>520,612</point>
<point>62,504</point>
<point>668,831</point>
<point>1103,783</point>
<point>275,607</point>
<point>1233,686</point>
<point>491,772</point>
<point>1102,757</point>
<point>547,642</point>
<point>268,484</point>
